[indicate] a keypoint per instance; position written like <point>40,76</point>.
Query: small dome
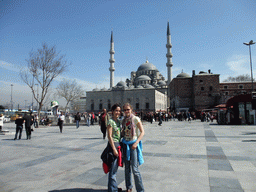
<point>183,75</point>
<point>120,84</point>
<point>148,86</point>
<point>104,89</point>
<point>139,87</point>
<point>202,72</point>
<point>143,78</point>
<point>96,89</point>
<point>147,67</point>
<point>161,83</point>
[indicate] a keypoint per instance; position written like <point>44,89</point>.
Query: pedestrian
<point>61,119</point>
<point>88,119</point>
<point>131,126</point>
<point>19,126</point>
<point>114,136</point>
<point>28,120</point>
<point>1,122</point>
<point>36,121</point>
<point>92,118</point>
<point>160,118</point>
<point>77,119</point>
<point>104,117</point>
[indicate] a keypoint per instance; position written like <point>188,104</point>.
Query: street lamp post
<point>11,98</point>
<point>249,44</point>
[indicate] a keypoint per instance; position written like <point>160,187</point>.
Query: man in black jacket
<point>77,119</point>
<point>28,119</point>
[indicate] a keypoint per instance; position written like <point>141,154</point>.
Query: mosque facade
<point>146,89</point>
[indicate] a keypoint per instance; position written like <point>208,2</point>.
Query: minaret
<point>111,60</point>
<point>169,55</point>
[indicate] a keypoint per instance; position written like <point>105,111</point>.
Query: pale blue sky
<point>205,34</point>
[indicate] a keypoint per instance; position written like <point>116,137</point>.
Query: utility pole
<point>249,44</point>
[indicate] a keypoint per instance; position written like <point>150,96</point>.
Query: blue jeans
<point>88,122</point>
<point>77,123</point>
<point>133,165</point>
<point>112,184</point>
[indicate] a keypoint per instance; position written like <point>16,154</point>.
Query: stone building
<point>230,89</point>
<point>146,89</point>
<point>195,92</point>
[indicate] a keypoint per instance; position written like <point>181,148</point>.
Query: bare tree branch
<point>69,90</point>
<point>240,78</point>
<point>43,66</point>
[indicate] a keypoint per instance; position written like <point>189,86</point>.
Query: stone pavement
<point>179,156</point>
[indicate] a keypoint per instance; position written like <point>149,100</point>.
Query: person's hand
<point>115,152</point>
<point>134,146</point>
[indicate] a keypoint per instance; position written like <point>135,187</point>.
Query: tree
<point>69,90</point>
<point>43,66</point>
<point>240,78</point>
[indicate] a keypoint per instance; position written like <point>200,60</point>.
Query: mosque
<point>146,89</point>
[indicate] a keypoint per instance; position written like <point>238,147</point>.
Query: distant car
<point>7,119</point>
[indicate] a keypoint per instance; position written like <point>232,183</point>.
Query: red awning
<point>239,98</point>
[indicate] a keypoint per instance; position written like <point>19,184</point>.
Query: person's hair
<point>128,104</point>
<point>113,108</point>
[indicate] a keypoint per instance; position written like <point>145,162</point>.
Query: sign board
<point>253,95</point>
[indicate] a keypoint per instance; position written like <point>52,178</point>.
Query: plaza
<point>179,156</point>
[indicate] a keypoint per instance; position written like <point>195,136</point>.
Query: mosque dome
<point>148,86</point>
<point>147,67</point>
<point>143,78</point>
<point>104,89</point>
<point>96,89</point>
<point>120,84</point>
<point>183,75</point>
<point>161,83</point>
<point>139,87</point>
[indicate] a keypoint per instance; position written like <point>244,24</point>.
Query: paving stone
<point>179,156</point>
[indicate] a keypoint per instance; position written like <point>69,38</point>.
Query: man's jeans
<point>112,184</point>
<point>77,123</point>
<point>134,165</point>
<point>88,122</point>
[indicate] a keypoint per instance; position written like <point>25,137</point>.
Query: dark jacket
<point>108,157</point>
<point>28,120</point>
<point>19,121</point>
<point>77,117</point>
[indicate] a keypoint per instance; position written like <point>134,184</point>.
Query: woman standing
<point>61,121</point>
<point>132,148</point>
<point>114,136</point>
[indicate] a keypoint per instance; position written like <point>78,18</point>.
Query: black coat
<point>108,156</point>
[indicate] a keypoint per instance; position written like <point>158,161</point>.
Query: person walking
<point>19,126</point>
<point>160,117</point>
<point>92,118</point>
<point>36,121</point>
<point>114,136</point>
<point>104,118</point>
<point>28,120</point>
<point>1,122</point>
<point>88,119</point>
<point>77,119</point>
<point>61,119</point>
<point>131,126</point>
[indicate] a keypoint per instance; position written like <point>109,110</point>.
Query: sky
<point>205,35</point>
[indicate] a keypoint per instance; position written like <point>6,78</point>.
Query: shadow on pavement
<point>79,190</point>
<point>93,138</point>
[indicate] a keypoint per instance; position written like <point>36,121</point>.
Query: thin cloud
<point>239,64</point>
<point>9,66</point>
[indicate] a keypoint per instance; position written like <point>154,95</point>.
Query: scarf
<point>129,121</point>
